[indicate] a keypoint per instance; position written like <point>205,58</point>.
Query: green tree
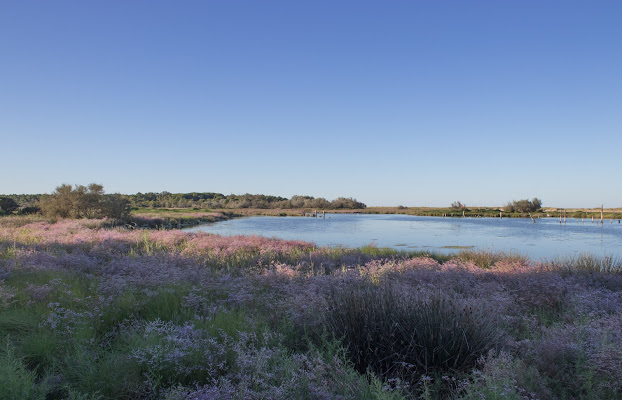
<point>59,204</point>
<point>84,202</point>
<point>7,205</point>
<point>524,205</point>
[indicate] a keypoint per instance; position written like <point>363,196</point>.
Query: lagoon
<point>545,239</point>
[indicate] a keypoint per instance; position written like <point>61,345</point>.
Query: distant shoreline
<point>479,212</point>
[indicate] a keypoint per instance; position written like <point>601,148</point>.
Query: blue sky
<point>401,102</point>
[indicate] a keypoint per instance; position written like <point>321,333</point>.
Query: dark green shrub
<point>17,381</point>
<point>8,205</point>
<point>396,332</point>
<point>115,206</point>
<point>29,210</point>
<point>524,206</point>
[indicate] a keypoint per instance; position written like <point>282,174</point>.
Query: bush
<point>524,206</point>
<point>28,210</point>
<point>349,203</point>
<point>84,202</point>
<point>456,205</point>
<point>395,333</point>
<point>7,205</point>
<point>16,381</point>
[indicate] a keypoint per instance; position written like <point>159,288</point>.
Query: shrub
<point>342,202</point>
<point>84,202</point>
<point>503,376</point>
<point>524,205</point>
<point>16,381</point>
<point>456,205</point>
<point>28,210</point>
<point>115,206</point>
<point>7,205</point>
<point>396,333</point>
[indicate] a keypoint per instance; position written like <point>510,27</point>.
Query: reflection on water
<point>547,238</point>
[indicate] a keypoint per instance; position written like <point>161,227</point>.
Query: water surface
<point>547,238</point>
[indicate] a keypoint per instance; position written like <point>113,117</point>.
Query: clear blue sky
<point>390,102</point>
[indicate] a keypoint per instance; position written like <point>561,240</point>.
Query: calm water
<point>544,239</point>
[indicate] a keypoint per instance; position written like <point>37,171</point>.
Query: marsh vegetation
<point>90,311</point>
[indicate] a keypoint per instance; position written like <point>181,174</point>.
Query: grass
<point>386,328</point>
<point>167,211</point>
<point>485,259</point>
<point>88,312</point>
<point>586,263</point>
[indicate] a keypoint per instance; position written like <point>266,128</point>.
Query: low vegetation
<point>457,205</point>
<point>91,311</point>
<point>491,212</point>
<point>524,206</point>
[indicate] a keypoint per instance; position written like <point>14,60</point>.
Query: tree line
<point>92,202</point>
<point>232,201</point>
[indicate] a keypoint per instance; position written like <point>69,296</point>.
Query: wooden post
<point>462,213</point>
<point>602,213</point>
<point>500,214</point>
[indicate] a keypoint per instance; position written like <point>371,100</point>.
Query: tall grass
<point>487,258</point>
<point>585,263</point>
<point>395,333</point>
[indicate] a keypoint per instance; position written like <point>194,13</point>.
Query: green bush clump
<point>7,205</point>
<point>84,202</point>
<point>524,206</point>
<point>16,381</point>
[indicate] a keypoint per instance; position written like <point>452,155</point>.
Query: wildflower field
<point>90,311</point>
